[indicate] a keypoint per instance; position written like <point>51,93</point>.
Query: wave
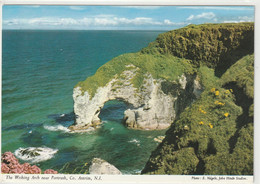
<point>137,171</point>
<point>56,128</point>
<point>135,141</point>
<point>35,154</point>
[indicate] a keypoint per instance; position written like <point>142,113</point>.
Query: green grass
<point>212,127</point>
<point>206,42</point>
<point>240,162</point>
<point>217,46</point>
<point>165,67</point>
<point>207,77</point>
<point>242,73</point>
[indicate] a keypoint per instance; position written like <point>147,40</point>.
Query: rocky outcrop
<point>149,107</point>
<point>99,166</point>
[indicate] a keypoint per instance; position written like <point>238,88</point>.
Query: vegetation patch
<point>216,126</point>
<point>166,67</point>
<point>215,45</point>
<point>242,73</point>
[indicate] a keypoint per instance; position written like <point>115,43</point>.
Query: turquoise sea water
<point>39,71</point>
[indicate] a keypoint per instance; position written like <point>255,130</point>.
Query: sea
<point>39,70</point>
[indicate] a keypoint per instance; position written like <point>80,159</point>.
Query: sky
<point>120,17</point>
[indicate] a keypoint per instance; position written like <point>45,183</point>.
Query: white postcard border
<point>152,179</point>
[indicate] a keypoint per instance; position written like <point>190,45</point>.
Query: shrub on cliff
<point>11,165</point>
<point>214,45</point>
<point>217,128</point>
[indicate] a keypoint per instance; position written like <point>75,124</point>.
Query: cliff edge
<point>199,82</point>
<point>161,80</point>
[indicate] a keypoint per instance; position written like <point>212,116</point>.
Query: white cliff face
<point>156,110</point>
<point>197,88</point>
<point>150,108</point>
<point>87,110</point>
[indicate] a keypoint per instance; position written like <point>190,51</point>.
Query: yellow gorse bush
<point>202,111</point>
<point>213,90</point>
<point>227,91</point>
<point>219,103</point>
<point>210,125</point>
<point>226,114</point>
<point>217,93</point>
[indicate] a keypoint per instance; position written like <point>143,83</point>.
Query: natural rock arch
<point>114,110</point>
<point>149,108</point>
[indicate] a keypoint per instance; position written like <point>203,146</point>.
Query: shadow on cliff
<point>113,110</point>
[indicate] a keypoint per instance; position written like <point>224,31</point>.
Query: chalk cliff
<point>152,107</point>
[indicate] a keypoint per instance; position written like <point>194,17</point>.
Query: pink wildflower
<point>50,171</point>
<point>4,168</point>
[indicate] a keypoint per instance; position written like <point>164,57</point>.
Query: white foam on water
<point>56,128</point>
<point>35,154</point>
<point>137,171</point>
<point>64,129</point>
<point>134,141</point>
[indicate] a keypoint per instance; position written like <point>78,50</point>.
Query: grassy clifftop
<point>215,132</point>
<point>214,45</point>
<point>166,67</point>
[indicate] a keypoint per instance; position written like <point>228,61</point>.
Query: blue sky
<point>120,17</point>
